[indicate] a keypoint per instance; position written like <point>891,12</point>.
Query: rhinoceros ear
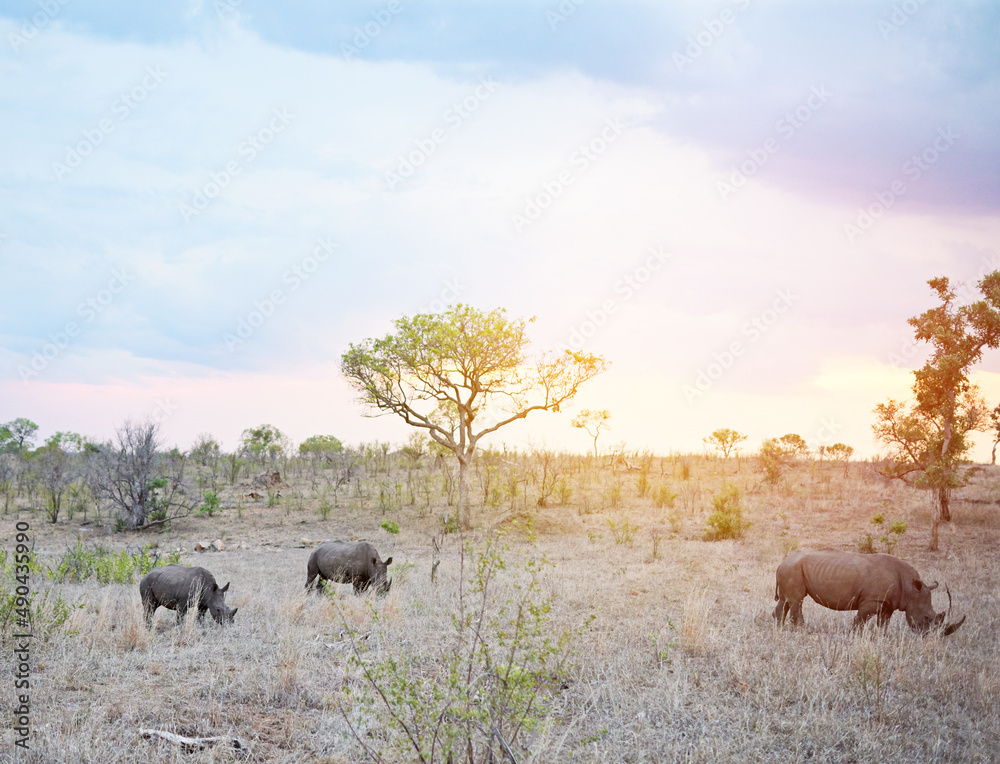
<point>225,588</point>
<point>918,584</point>
<point>389,561</point>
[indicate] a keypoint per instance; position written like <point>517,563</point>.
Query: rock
<point>219,546</point>
<point>202,546</point>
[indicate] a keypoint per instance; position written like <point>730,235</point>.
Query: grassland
<point>672,657</point>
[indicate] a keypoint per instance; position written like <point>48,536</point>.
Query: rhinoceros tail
<point>775,591</point>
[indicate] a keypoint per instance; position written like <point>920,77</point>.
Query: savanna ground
<point>672,657</point>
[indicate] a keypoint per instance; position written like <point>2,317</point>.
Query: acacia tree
<point>724,440</point>
<point>16,435</point>
<point>929,437</point>
<point>462,375</point>
<point>593,422</point>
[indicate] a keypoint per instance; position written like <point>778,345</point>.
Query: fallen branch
<point>190,744</point>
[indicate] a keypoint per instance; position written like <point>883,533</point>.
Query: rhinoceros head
<point>216,601</point>
<point>381,580</point>
<point>920,613</point>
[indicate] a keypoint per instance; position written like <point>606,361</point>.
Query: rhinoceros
<point>177,587</point>
<point>348,562</point>
<point>872,584</point>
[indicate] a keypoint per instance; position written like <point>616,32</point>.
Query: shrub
<point>390,526</point>
<point>663,496</point>
<point>622,531</point>
<point>107,566</point>
<point>210,504</point>
<point>867,543</point>
<point>489,691</point>
<point>727,522</point>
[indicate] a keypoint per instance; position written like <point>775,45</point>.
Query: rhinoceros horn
<point>951,628</point>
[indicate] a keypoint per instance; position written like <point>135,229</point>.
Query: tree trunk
<point>463,491</point>
<point>942,515</point>
<point>993,453</point>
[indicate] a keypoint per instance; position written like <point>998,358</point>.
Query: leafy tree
<point>17,434</point>
<point>320,446</point>
<point>593,422</point>
<point>775,457</point>
<point>842,452</point>
<point>206,450</point>
<point>795,445</point>
<point>725,441</point>
<point>995,426</point>
<point>264,444</point>
<point>461,375</point>
<point>928,438</point>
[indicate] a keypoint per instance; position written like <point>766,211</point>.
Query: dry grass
<point>680,662</point>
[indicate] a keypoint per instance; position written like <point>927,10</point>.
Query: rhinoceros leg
<point>884,616</point>
<point>780,611</point>
<point>865,611</point>
<point>312,572</point>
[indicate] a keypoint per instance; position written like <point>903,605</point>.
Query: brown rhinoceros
<point>177,587</point>
<point>872,584</point>
<point>348,562</point>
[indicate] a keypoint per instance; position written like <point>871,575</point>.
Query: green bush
<point>107,566</point>
<point>622,531</point>
<point>868,544</point>
<point>390,526</point>
<point>210,504</point>
<point>482,693</point>
<point>663,496</point>
<point>727,522</point>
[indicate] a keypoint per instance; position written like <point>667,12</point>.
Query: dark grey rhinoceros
<point>177,587</point>
<point>348,562</point>
<point>872,584</point>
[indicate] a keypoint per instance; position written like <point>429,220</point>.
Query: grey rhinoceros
<point>872,584</point>
<point>177,587</point>
<point>348,562</point>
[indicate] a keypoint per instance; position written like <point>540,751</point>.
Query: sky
<point>737,203</point>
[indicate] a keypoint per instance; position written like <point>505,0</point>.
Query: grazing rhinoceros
<point>872,584</point>
<point>348,562</point>
<point>177,587</point>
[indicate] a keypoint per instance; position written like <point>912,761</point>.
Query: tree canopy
<point>928,438</point>
<point>461,375</point>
